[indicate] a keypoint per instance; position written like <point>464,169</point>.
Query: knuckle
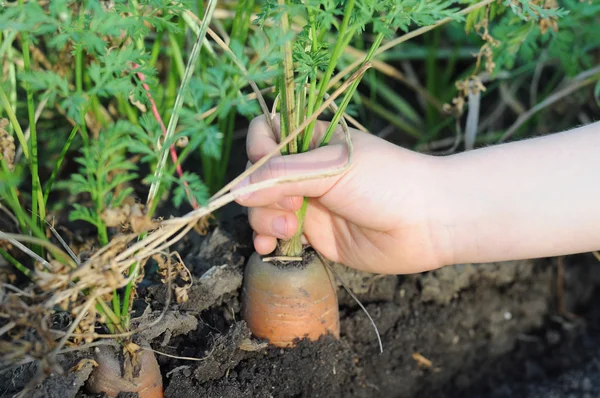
<point>256,123</point>
<point>275,168</point>
<point>253,217</point>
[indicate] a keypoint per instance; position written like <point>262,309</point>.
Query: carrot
<point>284,302</point>
<point>109,378</point>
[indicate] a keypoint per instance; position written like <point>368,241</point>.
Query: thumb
<point>318,160</point>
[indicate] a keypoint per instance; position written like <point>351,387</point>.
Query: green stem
<point>37,202</point>
<point>25,271</point>
<point>183,155</point>
<point>312,94</point>
<point>392,117</point>
<point>229,126</point>
<point>127,296</point>
<point>15,123</point>
<point>349,93</point>
<point>176,55</point>
<point>79,76</point>
<point>336,54</point>
<point>102,231</point>
<point>286,89</point>
<point>152,199</point>
<point>156,49</point>
<point>293,247</point>
<point>99,203</point>
<point>116,304</point>
<point>108,324</point>
<point>110,315</point>
<point>13,200</point>
<point>61,158</point>
<point>124,107</point>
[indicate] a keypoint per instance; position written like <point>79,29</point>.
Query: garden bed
<point>466,328</point>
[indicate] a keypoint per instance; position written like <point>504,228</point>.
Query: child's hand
<point>375,217</point>
<point>397,211</point>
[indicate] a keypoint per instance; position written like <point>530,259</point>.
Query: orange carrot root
<point>108,377</point>
<point>289,302</point>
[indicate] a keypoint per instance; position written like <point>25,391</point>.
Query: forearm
<point>527,199</point>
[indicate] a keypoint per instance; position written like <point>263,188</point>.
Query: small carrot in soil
<point>287,301</point>
<point>110,378</point>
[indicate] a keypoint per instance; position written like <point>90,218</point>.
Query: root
<point>325,263</point>
<point>182,358</point>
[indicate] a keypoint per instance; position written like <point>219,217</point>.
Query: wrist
<point>441,211</point>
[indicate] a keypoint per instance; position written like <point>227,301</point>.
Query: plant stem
<point>293,246</point>
<point>116,304</point>
<point>287,90</point>
<point>101,311</point>
<point>239,34</point>
<point>151,202</point>
<point>15,123</point>
<point>25,271</point>
<point>63,153</point>
<point>127,109</point>
<point>127,296</point>
<point>324,83</point>
<point>392,117</point>
<point>99,203</point>
<point>349,93</point>
<point>79,76</point>
<point>37,202</point>
<point>13,201</point>
<point>110,315</point>
<point>155,49</point>
<point>219,173</point>
<point>312,89</point>
<point>176,55</point>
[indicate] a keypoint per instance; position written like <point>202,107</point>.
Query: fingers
<point>312,162</point>
<point>274,223</point>
<point>262,140</point>
<point>264,244</point>
<point>291,203</point>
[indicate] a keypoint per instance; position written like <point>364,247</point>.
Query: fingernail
<point>242,184</point>
<point>279,226</point>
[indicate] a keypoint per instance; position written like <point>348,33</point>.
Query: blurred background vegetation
<point>88,91</point>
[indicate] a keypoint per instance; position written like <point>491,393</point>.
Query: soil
<point>467,330</point>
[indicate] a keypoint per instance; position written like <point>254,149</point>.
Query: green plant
<point>101,175</point>
<point>308,65</point>
<point>112,72</point>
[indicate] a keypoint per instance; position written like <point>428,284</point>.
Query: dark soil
<point>462,331</point>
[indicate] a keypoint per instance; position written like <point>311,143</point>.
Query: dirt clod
<point>173,323</point>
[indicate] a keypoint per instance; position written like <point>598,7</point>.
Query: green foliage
<point>196,187</point>
<point>103,173</point>
<point>577,36</point>
<point>97,31</point>
<point>111,39</point>
<point>403,14</point>
<point>524,29</point>
<point>145,142</point>
<point>526,10</point>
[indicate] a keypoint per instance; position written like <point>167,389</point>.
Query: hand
<point>376,216</point>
